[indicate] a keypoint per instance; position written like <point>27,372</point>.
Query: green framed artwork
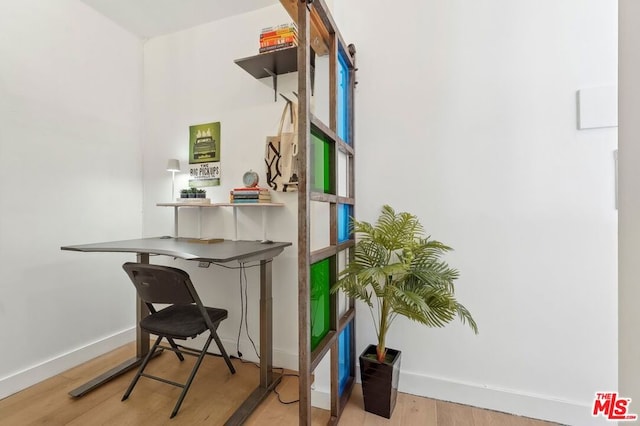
<point>204,155</point>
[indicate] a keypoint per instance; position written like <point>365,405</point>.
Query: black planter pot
<point>380,381</point>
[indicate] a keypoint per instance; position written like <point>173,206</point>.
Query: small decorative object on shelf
<point>278,37</point>
<point>193,195</point>
<point>250,179</point>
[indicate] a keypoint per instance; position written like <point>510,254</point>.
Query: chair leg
<point>223,352</point>
<point>174,346</point>
<point>191,376</point>
<point>141,369</point>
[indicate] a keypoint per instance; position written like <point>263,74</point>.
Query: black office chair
<point>186,317</point>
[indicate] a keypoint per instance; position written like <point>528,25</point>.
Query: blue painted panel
<point>344,222</point>
<point>344,355</point>
<point>343,99</point>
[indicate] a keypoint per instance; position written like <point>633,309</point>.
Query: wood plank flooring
<point>213,396</point>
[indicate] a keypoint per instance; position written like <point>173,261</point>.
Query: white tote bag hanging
<point>281,153</point>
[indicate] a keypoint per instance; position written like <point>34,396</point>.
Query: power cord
<point>244,309</point>
<point>275,389</point>
<point>244,317</point>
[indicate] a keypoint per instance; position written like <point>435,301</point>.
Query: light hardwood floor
<point>213,396</point>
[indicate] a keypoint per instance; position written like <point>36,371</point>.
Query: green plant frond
<point>404,298</point>
<point>350,286</point>
<point>429,250</point>
<point>432,307</point>
<point>375,278</point>
<point>395,231</point>
<point>425,278</point>
<point>395,270</point>
<point>466,318</point>
<point>364,230</point>
<point>434,316</point>
<point>370,254</point>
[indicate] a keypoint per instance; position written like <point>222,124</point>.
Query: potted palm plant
<point>397,270</point>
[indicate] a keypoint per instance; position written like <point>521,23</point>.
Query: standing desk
<point>221,252</point>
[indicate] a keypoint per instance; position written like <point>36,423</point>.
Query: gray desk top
<point>224,251</point>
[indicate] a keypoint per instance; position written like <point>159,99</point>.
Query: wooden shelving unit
<point>319,35</point>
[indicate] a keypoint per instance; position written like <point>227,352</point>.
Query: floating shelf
<point>271,64</point>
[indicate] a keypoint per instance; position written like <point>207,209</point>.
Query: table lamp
<point>173,166</point>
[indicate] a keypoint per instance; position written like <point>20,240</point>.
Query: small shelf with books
<point>278,54</point>
<point>278,37</point>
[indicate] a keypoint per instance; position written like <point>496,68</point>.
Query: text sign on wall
<point>204,174</point>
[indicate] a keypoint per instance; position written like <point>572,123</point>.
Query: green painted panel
<point>319,301</point>
<point>320,164</point>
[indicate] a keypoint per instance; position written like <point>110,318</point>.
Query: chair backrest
<point>161,284</point>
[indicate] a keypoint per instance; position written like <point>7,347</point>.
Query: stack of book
<point>250,195</point>
<point>278,37</point>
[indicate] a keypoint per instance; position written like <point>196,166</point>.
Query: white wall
<point>629,231</point>
<point>70,113</point>
<point>466,116</point>
<point>190,78</point>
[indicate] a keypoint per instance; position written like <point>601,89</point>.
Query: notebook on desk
<point>201,240</point>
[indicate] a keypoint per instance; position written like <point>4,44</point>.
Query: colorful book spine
<point>280,33</point>
<point>251,188</point>
<point>279,27</point>
<point>250,191</point>
<point>278,41</point>
<point>245,196</point>
<point>278,47</point>
<point>250,201</point>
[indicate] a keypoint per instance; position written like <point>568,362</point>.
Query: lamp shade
<point>173,165</point>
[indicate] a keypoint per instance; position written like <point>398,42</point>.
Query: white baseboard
<point>503,400</point>
<point>321,399</point>
<point>37,373</point>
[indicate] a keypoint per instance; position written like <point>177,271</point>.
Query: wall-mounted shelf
<point>200,206</point>
<point>271,64</point>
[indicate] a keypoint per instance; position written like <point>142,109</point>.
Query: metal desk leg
<point>142,337</point>
<point>266,325</point>
<point>175,223</point>
<point>142,348</point>
<point>235,223</point>
<point>267,379</point>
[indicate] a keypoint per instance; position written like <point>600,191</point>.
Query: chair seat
<point>180,321</point>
